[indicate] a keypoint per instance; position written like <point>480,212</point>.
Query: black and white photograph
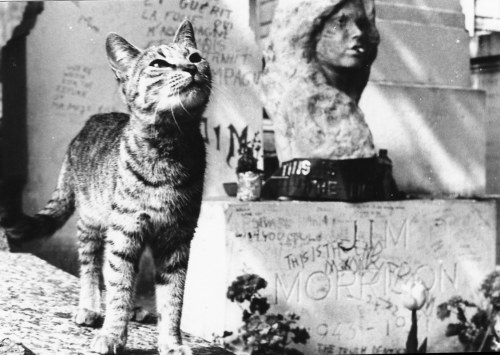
<point>249,177</point>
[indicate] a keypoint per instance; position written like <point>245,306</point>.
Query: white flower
<point>496,325</point>
<point>414,294</point>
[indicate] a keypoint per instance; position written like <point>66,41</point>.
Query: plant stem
<point>412,341</point>
<point>486,335</point>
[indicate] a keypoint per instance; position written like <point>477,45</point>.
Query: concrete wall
<point>486,76</point>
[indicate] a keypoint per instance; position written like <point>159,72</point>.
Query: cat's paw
<point>174,350</point>
<point>107,344</point>
<point>86,317</point>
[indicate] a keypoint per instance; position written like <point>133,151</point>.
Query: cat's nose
<point>190,68</point>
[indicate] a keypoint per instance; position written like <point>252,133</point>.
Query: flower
<point>245,287</point>
<point>496,325</point>
<point>414,294</point>
<point>300,335</point>
<point>259,304</point>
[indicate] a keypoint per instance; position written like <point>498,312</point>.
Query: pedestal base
<point>341,266</point>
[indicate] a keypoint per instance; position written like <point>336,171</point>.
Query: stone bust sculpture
<point>317,63</point>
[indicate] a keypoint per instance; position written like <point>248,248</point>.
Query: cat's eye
<point>160,63</point>
<point>195,58</point>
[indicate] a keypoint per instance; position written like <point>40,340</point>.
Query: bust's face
<point>343,41</point>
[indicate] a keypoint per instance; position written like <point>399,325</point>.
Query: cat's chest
<point>160,188</point>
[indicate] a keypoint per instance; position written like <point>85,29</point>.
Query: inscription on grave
<point>342,267</point>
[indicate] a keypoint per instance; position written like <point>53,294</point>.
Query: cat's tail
<point>52,217</point>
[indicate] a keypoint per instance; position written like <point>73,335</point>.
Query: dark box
<point>337,180</point>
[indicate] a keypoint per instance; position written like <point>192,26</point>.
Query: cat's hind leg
<point>171,263</point>
<point>90,252</point>
<point>124,246</point>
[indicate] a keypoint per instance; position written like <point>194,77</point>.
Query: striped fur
<point>137,180</point>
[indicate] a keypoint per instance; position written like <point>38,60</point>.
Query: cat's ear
<point>121,55</point>
<point>185,34</point>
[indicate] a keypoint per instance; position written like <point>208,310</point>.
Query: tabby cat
<point>137,180</point>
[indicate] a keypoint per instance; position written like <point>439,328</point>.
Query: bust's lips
<point>356,50</point>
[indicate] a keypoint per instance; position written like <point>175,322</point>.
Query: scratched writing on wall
<point>214,27</point>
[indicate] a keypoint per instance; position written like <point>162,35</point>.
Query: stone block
<point>418,14</point>
<point>341,266</point>
<point>421,53</point>
<point>436,136</point>
<point>487,77</point>
<point>446,5</point>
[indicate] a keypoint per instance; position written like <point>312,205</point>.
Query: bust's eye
<point>195,58</point>
<point>342,21</point>
<point>159,63</point>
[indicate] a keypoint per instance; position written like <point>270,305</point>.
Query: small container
<point>230,188</point>
<point>249,186</point>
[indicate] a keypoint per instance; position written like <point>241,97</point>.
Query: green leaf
<point>226,334</point>
<point>443,311</point>
<point>259,304</point>
<point>423,347</point>
<point>300,335</point>
<point>480,319</point>
<point>454,329</point>
<point>461,315</point>
<point>245,287</point>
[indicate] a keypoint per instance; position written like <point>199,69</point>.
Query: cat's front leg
<point>124,245</point>
<point>90,252</point>
<point>171,264</point>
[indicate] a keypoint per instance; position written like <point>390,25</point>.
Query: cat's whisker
<point>173,117</point>
<point>180,102</point>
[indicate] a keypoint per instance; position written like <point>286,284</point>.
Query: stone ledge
<point>37,301</point>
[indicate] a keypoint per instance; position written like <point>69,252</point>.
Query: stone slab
<point>443,5</point>
<point>68,77</point>
<point>418,53</point>
<point>436,136</point>
<point>418,14</point>
<point>488,79</point>
<point>488,8</point>
<point>37,301</point>
<point>341,266</point>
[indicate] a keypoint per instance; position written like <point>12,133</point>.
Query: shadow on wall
<point>60,250</point>
<point>435,136</point>
<point>13,152</point>
<point>420,105</point>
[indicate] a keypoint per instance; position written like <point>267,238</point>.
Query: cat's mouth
<point>187,97</point>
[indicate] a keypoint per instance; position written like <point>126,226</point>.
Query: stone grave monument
<point>341,267</point>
